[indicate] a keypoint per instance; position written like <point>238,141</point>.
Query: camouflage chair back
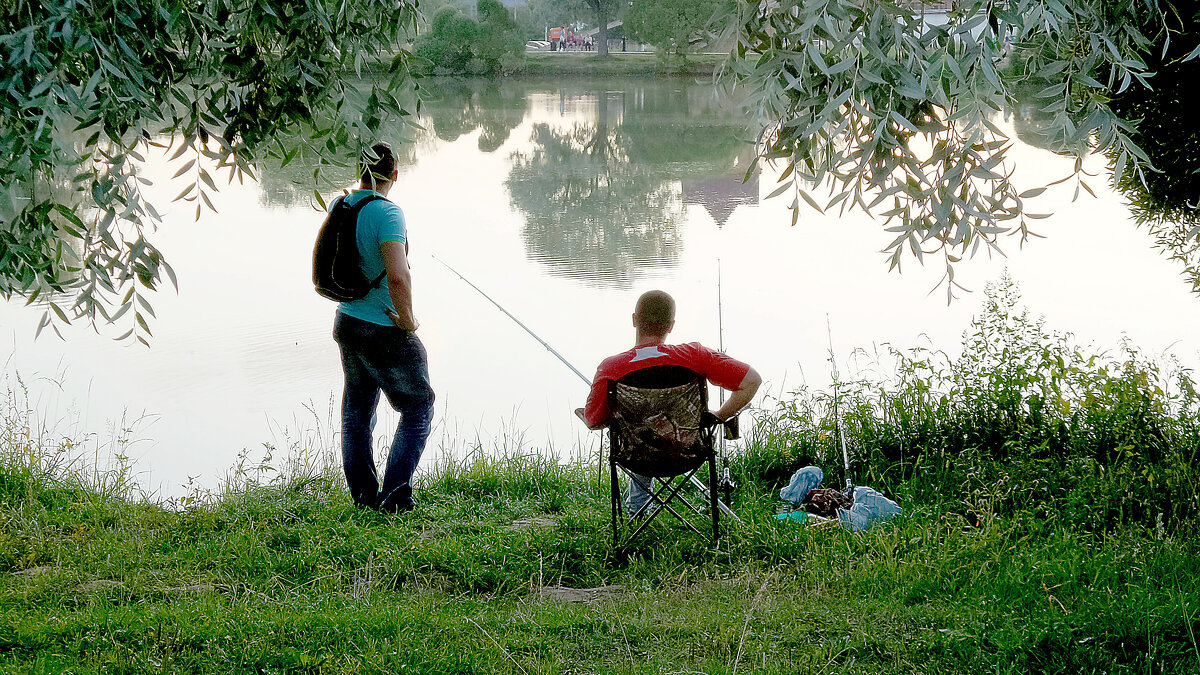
<point>658,434</point>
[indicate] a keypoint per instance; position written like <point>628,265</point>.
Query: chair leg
<point>712,496</point>
<point>663,503</point>
<point>660,500</point>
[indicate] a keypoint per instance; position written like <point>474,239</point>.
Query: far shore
<point>619,64</point>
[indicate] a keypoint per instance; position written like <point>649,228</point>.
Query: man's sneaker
<point>399,501</point>
<point>399,507</point>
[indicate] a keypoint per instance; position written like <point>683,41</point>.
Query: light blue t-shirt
<point>379,221</point>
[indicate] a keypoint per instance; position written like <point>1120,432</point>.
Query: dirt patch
<point>35,571</point>
<point>530,522</point>
<point>588,595</point>
<point>97,586</point>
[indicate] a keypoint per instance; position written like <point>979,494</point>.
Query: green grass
<point>1029,547</point>
<point>290,577</point>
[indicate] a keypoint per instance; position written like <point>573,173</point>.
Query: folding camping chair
<point>657,430</point>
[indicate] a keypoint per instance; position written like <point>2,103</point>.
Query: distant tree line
<point>456,43</point>
<point>673,27</point>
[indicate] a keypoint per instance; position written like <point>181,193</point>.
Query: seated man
<point>653,319</point>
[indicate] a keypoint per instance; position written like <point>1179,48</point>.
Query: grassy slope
<point>292,578</point>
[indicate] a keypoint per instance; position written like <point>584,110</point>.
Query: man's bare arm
<point>741,396</point>
<point>395,260</point>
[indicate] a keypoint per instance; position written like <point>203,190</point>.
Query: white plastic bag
<point>869,507</point>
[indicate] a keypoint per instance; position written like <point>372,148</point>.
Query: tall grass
<point>1024,421</point>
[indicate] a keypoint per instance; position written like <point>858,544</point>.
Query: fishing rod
<point>727,485</point>
<point>724,509</point>
<point>720,338</point>
<point>518,321</point>
<point>837,424</point>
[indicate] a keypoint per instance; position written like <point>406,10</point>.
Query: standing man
<point>380,349</point>
<point>653,319</point>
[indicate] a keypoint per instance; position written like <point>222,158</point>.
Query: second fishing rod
<point>724,508</point>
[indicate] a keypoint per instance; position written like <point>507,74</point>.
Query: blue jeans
<point>637,496</point>
<point>382,358</point>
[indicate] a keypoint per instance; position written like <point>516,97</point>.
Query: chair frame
<point>669,487</point>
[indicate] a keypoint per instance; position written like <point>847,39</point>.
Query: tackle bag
<point>337,265</point>
<point>827,502</point>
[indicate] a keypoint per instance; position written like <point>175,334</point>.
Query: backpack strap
<point>354,211</point>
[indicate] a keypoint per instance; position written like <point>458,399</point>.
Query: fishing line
<point>518,321</point>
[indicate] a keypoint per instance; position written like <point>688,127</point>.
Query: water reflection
<point>591,213</point>
<point>291,185</point>
<point>603,199</point>
<point>455,108</point>
<point>1030,120</point>
<point>602,182</point>
<point>721,195</point>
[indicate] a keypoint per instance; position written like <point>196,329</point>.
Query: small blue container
<point>795,516</point>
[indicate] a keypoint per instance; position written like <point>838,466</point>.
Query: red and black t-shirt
<point>717,368</point>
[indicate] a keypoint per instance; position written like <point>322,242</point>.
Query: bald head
<point>654,313</point>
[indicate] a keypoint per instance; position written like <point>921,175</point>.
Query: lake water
<point>563,201</point>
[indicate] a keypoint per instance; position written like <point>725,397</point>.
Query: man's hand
<point>710,419</point>
<point>409,324</point>
<point>395,261</point>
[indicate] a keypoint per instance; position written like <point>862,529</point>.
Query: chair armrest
<point>579,414</point>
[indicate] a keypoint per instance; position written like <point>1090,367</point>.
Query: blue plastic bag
<point>804,480</point>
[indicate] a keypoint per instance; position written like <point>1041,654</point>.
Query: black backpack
<point>337,265</point>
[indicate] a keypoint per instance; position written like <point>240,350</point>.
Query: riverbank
<point>627,64</point>
<point>588,64</point>
<point>1050,526</point>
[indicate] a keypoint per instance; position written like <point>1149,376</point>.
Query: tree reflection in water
<point>603,197</point>
<point>450,110</point>
<point>604,201</point>
<point>458,107</point>
<point>590,213</point>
